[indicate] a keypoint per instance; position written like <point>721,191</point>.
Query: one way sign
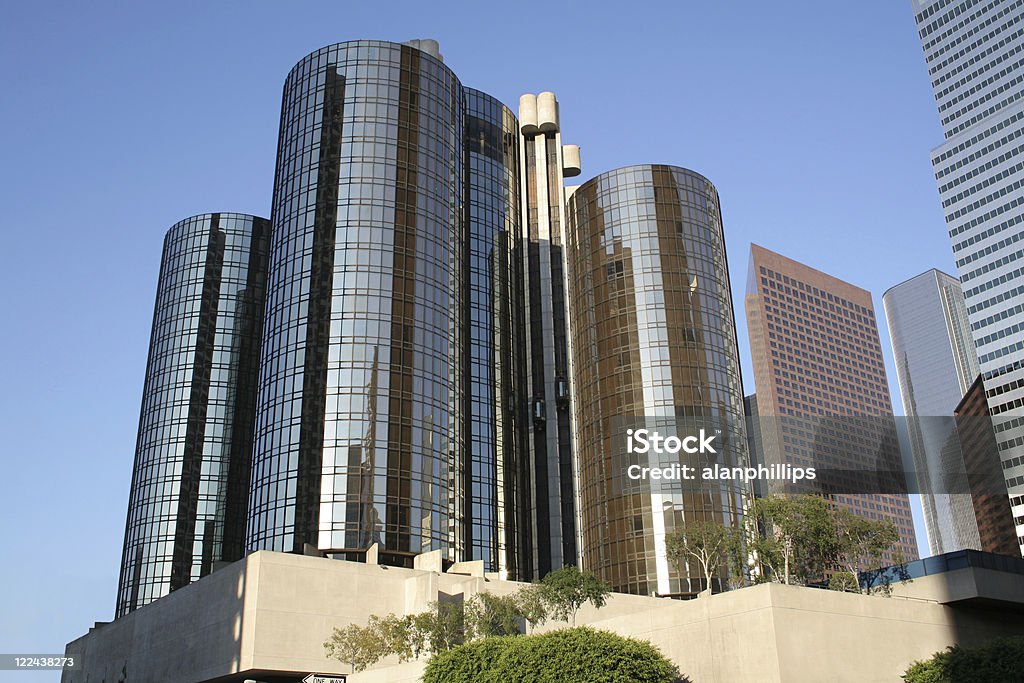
<point>324,678</point>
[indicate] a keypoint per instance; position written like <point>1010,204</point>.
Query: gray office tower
<point>936,365</point>
<point>974,50</point>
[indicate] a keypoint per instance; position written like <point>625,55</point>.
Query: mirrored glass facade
<point>493,485</point>
<point>360,435</point>
<point>936,364</point>
<point>653,335</point>
<point>187,504</point>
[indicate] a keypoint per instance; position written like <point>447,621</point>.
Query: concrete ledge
<point>429,562</point>
<point>474,568</point>
<point>270,614</point>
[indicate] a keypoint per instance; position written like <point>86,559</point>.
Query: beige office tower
<point>818,360</point>
<point>544,354</point>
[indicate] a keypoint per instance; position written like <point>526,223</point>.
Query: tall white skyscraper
<point>974,50</point>
<point>936,364</point>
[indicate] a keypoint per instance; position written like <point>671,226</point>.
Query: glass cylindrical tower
<point>187,504</point>
<point>653,337</point>
<point>359,433</point>
<point>493,485</point>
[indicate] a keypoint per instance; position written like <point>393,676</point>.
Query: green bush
<point>575,655</point>
<point>467,663</point>
<point>1000,661</point>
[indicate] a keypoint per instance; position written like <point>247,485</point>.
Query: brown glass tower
<point>653,340</point>
<point>817,358</point>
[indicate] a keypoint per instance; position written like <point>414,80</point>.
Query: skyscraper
<point>409,388</point>
<point>936,365</point>
<point>406,382</point>
<point>190,482</point>
<point>496,486</point>
<point>817,354</point>
<point>977,443</point>
<point>973,53</point>
<point>414,377</point>
<point>360,427</point>
<point>653,338</point>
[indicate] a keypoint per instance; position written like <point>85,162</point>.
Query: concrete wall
<point>208,621</point>
<point>776,633</point>
<point>272,612</point>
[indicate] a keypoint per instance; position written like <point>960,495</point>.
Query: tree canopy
<point>449,624</point>
<point>790,539</point>
<point>710,543</point>
<point>567,589</point>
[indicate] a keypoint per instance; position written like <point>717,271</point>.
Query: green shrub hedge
<point>467,663</point>
<point>574,655</point>
<point>1000,661</point>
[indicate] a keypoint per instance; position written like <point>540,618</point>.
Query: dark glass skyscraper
<point>360,433</point>
<point>495,485</point>
<point>653,337</point>
<point>187,507</point>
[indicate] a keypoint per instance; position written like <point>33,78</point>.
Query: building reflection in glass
<point>359,435</point>
<point>653,336</point>
<point>190,481</point>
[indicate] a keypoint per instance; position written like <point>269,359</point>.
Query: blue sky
<point>814,120</point>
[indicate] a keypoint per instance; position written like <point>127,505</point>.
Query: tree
<point>394,633</point>
<point>862,542</point>
<point>806,537</point>
<point>567,589</point>
<point>880,579</point>
<point>530,601</point>
<point>816,536</point>
<point>492,615</point>
<point>777,546</point>
<point>799,538</point>
<point>358,646</point>
<point>707,541</point>
<point>845,582</point>
<point>738,558</point>
<point>449,624</point>
<point>769,554</point>
<point>442,626</point>
<point>469,663</point>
